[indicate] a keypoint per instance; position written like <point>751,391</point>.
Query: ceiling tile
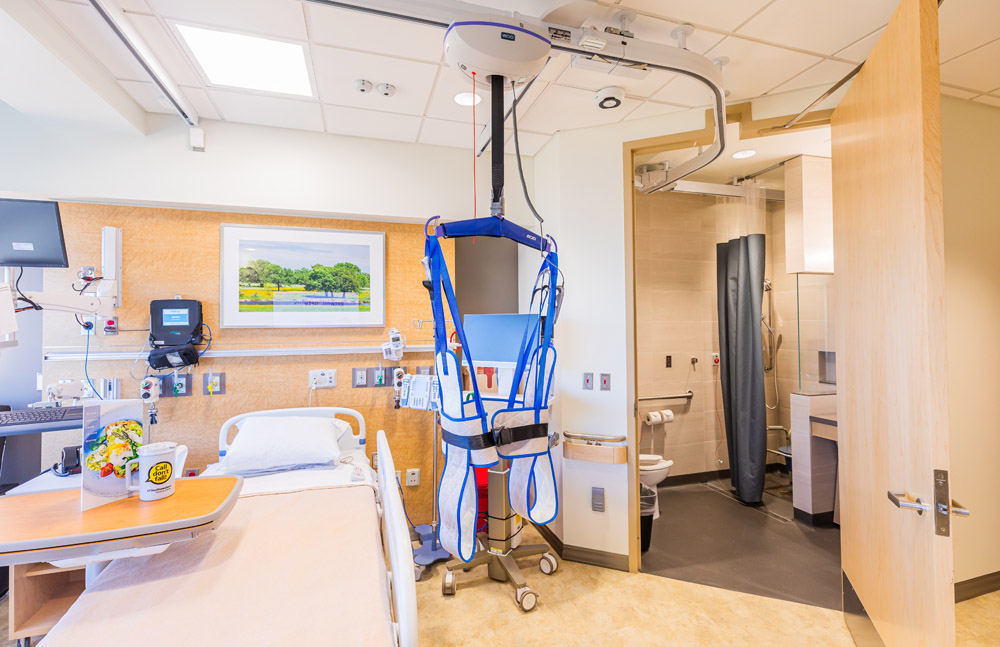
<point>823,73</point>
<point>354,30</point>
<point>337,69</point>
<point>282,18</point>
<point>726,15</point>
<point>859,51</point>
<point>449,133</point>
<point>561,108</point>
<point>592,80</point>
<point>966,25</point>
<point>151,99</point>
<point>822,27</point>
<point>442,104</point>
<point>955,92</point>
<point>86,25</point>
<point>685,91</point>
<point>268,111</point>
<point>136,6</point>
<point>755,68</point>
<point>977,70</point>
<point>370,123</point>
<point>167,50</point>
<point>558,61</point>
<point>988,99</point>
<point>652,109</point>
<point>530,143</point>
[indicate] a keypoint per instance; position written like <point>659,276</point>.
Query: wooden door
<point>892,379</point>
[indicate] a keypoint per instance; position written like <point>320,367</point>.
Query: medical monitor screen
<point>31,234</point>
<point>176,317</point>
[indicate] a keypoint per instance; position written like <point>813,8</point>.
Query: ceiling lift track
<point>625,51</point>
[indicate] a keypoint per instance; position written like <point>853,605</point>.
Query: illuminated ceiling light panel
<point>249,62</point>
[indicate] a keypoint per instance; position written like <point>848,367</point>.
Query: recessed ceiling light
<point>743,154</point>
<point>249,62</point>
<point>467,99</point>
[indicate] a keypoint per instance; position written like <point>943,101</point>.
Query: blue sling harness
<point>477,431</point>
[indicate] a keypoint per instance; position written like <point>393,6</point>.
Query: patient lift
<point>508,433</point>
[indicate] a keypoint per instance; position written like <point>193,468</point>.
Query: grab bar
<point>591,438</point>
<point>679,396</point>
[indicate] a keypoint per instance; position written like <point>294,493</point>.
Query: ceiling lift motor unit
<point>487,45</point>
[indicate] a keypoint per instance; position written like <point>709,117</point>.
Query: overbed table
<point>36,529</point>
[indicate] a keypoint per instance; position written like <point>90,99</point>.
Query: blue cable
<point>403,501</point>
<point>209,345</point>
<point>86,356</point>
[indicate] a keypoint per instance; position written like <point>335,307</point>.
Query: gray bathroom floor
<point>705,535</point>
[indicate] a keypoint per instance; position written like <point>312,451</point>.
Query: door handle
<point>901,500</point>
<point>955,509</point>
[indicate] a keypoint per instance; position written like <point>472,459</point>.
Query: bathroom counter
<point>824,425</point>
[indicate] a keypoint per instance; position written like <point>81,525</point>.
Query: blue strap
<point>441,279</point>
<point>546,321</point>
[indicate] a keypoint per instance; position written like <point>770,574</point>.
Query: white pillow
<point>267,444</point>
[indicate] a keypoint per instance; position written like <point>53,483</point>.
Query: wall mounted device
<point>392,350</point>
<point>31,234</point>
<point>175,326</point>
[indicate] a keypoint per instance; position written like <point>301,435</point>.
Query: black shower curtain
<point>740,268</point>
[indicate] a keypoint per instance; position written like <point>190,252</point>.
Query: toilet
<point>653,469</point>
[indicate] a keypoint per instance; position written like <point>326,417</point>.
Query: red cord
<point>475,200</point>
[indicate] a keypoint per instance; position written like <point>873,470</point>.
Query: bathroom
<point>783,543</point>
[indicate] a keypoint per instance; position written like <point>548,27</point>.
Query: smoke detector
<point>609,98</point>
<point>362,86</point>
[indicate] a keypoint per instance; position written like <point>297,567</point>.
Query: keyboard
<point>35,416</point>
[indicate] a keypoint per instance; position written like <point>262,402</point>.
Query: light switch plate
<point>597,499</point>
<point>605,381</point>
<point>588,381</point>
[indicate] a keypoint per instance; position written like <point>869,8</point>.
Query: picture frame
<point>300,277</point>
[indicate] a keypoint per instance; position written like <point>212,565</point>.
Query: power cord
<point>209,345</point>
<point>403,499</point>
<point>90,330</point>
<point>17,288</point>
<point>520,171</point>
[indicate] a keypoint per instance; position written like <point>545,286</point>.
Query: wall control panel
<point>412,477</point>
<point>324,378</point>
<point>588,381</point>
<point>605,381</point>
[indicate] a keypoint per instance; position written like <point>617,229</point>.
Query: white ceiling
<point>773,45</point>
<point>770,151</point>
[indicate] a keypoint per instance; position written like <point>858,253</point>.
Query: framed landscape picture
<point>295,277</point>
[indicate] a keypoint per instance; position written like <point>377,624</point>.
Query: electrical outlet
<point>88,319</point>
<point>413,477</point>
<point>588,381</point>
<point>215,380</point>
<point>324,378</point>
<point>181,380</point>
<point>360,377</point>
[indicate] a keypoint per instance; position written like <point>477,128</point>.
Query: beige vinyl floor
<point>585,606</point>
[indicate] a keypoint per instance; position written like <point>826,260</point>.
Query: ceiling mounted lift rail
<point>624,51</point>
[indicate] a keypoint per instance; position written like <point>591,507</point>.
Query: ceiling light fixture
<point>743,154</point>
<point>249,62</point>
<point>467,99</point>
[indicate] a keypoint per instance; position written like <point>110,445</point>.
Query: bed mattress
<point>301,566</point>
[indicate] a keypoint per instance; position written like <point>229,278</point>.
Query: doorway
<point>703,532</point>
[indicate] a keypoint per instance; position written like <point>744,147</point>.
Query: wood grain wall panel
<point>176,251</point>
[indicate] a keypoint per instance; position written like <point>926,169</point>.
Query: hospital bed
<point>300,560</point>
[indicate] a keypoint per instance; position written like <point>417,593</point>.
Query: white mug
<point>158,464</point>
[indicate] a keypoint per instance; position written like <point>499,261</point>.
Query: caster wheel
<point>448,583</point>
<point>419,571</point>
<point>548,563</point>
<point>526,599</point>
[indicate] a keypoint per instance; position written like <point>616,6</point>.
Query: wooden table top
<point>53,519</point>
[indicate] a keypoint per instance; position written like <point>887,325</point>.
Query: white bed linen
<point>335,475</point>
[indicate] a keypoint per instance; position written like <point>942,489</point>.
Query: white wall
<point>247,168</point>
<point>970,137</point>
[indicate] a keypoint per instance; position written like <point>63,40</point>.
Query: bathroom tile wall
<point>676,315</point>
